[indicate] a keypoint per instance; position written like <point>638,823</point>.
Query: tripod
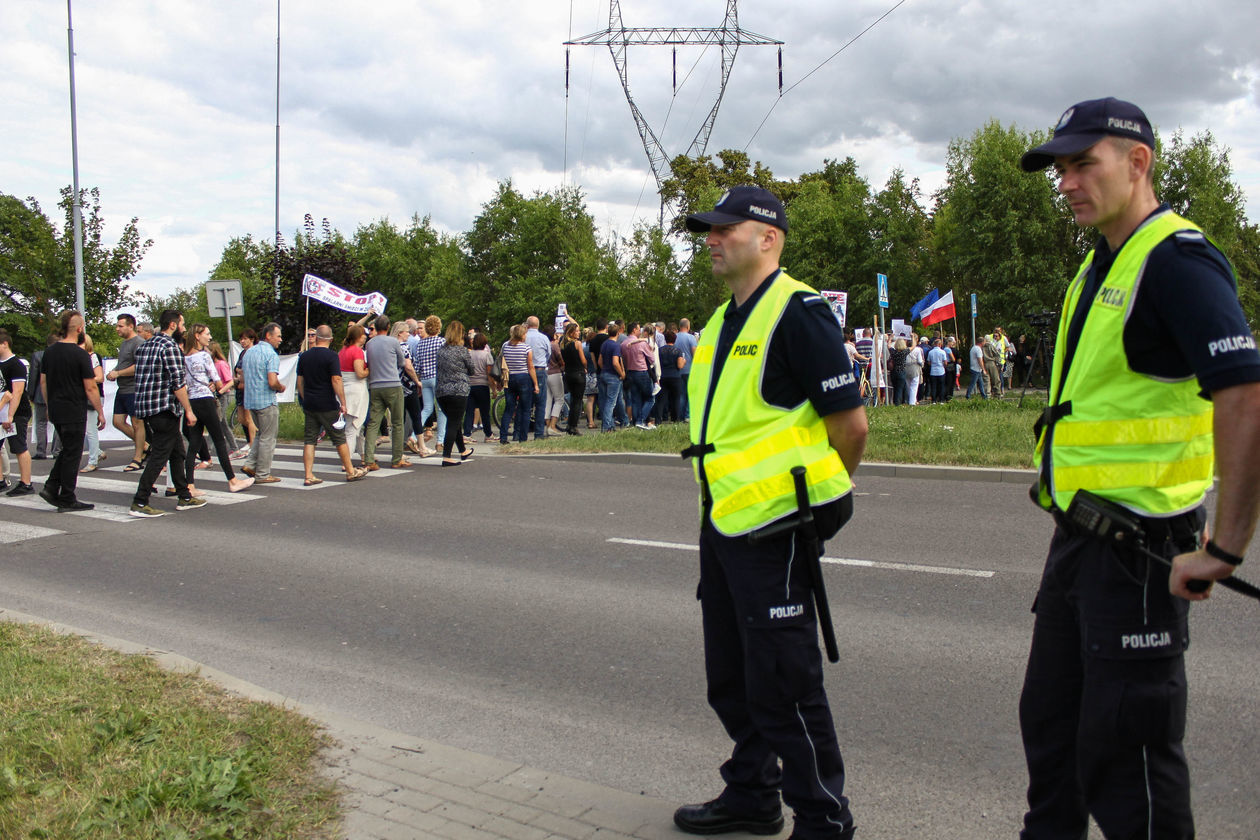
<point>1040,362</point>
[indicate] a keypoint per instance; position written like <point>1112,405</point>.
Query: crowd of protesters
<point>910,369</point>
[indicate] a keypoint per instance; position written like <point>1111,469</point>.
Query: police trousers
<point>765,682</point>
<point>1103,708</point>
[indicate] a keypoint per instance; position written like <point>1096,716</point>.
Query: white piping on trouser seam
<point>787,579</point>
<point>817,772</point>
<point>1150,803</point>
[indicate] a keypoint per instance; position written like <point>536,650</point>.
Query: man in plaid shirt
<point>161,399</point>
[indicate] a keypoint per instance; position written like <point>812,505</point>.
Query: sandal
<point>89,468</point>
<point>134,466</point>
<point>464,456</point>
<point>311,482</point>
<point>357,475</point>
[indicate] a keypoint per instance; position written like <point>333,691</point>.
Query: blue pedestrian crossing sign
<point>882,281</point>
<point>973,304</point>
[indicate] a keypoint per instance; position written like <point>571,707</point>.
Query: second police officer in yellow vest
<point>1151,340</point>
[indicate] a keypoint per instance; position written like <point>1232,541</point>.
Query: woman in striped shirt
<point>522,385</point>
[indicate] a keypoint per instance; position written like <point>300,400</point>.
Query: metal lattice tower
<point>617,37</point>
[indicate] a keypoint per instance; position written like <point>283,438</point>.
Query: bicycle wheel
<point>496,409</point>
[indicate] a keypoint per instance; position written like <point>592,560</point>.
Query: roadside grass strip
<point>98,744</point>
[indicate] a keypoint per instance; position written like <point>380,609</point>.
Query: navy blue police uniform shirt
<point>806,356</point>
<point>1185,319</point>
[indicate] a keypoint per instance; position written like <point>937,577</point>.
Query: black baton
<point>803,523</point>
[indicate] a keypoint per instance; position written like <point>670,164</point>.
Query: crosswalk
<point>111,490</point>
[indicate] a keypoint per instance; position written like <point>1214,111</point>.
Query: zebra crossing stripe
<point>11,532</point>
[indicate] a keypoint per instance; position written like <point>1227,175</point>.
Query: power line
<point>848,44</point>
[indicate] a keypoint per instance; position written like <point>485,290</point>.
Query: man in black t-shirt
<point>323,401</point>
<point>14,377</point>
<point>69,387</point>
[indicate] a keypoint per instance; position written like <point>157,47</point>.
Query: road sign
<point>973,304</point>
<point>882,281</point>
<point>224,298</point>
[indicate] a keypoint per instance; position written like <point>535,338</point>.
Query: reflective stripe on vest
<point>1141,442</point>
<point>756,444</point>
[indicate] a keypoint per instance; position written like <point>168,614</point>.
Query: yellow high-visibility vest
<point>1142,442</point>
<point>746,476</point>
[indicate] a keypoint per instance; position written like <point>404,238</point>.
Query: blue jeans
<point>639,393</point>
<point>610,384</point>
<point>519,401</point>
<point>540,402</point>
<point>977,384</point>
<point>427,387</point>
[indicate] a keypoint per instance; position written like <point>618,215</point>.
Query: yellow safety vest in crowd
<point>749,446</point>
<point>1139,441</point>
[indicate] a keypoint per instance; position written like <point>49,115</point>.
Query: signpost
<point>973,317</point>
<point>881,283</point>
<point>224,297</point>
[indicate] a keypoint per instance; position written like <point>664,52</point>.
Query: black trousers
<point>207,412</point>
<point>453,408</point>
<point>765,682</point>
<point>1103,709</point>
<point>166,449</point>
<point>63,476</point>
<point>478,398</point>
<point>575,387</point>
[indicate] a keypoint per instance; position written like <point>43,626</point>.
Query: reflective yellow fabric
<point>1141,442</point>
<point>756,444</point>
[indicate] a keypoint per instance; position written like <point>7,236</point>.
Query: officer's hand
<point>1196,565</point>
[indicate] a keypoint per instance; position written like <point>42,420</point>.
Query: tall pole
<point>74,155</point>
<point>276,262</point>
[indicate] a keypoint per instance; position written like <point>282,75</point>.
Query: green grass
<point>97,744</point>
<point>992,433</point>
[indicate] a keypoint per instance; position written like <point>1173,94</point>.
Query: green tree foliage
<point>420,270</point>
<point>695,184</point>
<point>830,241</point>
<point>526,255</point>
<point>1000,231</point>
<point>37,266</point>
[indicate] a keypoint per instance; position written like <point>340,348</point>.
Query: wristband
<point>1221,554</point>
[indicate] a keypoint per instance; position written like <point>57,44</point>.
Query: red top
<point>348,355</point>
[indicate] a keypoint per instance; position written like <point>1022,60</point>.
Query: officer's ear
<point>771,238</point>
<point>1141,161</point>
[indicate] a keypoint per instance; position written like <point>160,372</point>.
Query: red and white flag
<point>942,310</point>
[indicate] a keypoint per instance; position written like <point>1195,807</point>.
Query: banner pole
<point>308,320</point>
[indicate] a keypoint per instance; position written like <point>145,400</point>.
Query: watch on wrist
<point>1221,554</point>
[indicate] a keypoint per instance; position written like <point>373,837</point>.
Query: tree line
<point>991,229</point>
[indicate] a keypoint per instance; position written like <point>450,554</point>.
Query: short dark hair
<point>479,341</point>
<point>129,320</point>
<point>249,333</point>
<point>670,336</point>
<point>270,327</point>
<point>381,324</point>
<point>168,317</point>
<point>4,338</point>
<point>601,323</point>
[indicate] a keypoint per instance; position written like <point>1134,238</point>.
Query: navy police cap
<point>1084,124</point>
<point>740,204</point>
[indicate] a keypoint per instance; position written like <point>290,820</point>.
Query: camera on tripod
<point>1042,319</point>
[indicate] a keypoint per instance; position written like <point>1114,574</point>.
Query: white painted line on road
<point>837,561</point>
<point>908,567</point>
<point>11,532</point>
<point>112,513</point>
<point>655,544</point>
<point>217,497</point>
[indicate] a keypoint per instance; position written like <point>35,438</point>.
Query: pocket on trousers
<point>1152,713</point>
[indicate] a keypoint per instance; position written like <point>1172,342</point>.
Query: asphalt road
<point>489,608</point>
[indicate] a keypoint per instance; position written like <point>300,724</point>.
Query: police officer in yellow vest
<point>771,388</point>
<point>1157,376</point>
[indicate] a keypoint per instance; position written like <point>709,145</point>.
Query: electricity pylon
<point>617,37</point>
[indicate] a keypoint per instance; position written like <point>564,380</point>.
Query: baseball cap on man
<point>1084,124</point>
<point>740,204</point>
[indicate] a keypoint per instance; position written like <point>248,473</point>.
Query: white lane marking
<point>837,561</point>
<point>112,513</point>
<point>11,532</point>
<point>217,497</point>
<point>214,475</point>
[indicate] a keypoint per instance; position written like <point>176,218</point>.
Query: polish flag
<point>942,310</point>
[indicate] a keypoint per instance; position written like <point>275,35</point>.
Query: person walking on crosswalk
<point>162,403</point>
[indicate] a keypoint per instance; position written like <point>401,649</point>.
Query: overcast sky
<point>391,108</point>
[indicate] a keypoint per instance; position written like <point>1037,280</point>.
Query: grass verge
<point>978,433</point>
<point>98,744</point>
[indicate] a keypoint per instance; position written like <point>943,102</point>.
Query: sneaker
<point>75,506</point>
<point>189,504</point>
<point>4,484</point>
<point>49,496</point>
<point>144,511</point>
<point>643,426</point>
<point>20,489</point>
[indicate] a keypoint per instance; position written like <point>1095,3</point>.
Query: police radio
<point>1094,516</point>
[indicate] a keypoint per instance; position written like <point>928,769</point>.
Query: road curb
<point>401,786</point>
